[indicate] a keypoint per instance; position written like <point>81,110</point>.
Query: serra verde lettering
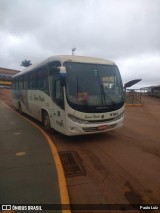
<point>38,98</point>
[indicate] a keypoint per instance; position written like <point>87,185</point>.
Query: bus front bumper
<point>74,128</point>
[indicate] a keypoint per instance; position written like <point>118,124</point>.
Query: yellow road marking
<point>61,177</point>
<point>134,105</point>
<point>20,153</point>
<point>62,181</point>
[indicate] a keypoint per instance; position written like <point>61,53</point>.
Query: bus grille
<point>100,121</point>
<point>95,129</point>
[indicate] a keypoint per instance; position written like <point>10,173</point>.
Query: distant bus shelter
<point>151,91</point>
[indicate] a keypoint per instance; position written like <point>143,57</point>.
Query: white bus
<point>73,95</point>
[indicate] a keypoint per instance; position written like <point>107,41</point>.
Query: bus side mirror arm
<point>131,83</point>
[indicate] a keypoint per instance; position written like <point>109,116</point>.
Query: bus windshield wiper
<point>103,94</point>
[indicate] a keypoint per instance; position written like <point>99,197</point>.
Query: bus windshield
<point>91,86</point>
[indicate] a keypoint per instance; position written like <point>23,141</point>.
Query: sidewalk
<point>28,172</point>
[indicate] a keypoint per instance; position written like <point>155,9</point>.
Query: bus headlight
<point>119,116</point>
<point>77,120</point>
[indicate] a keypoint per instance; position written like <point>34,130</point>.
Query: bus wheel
<point>20,108</point>
<point>46,122</point>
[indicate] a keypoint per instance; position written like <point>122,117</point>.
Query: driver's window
<point>55,86</point>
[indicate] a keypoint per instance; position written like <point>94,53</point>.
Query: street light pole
<point>73,50</point>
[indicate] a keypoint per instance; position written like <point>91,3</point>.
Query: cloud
<point>145,67</point>
<point>125,31</point>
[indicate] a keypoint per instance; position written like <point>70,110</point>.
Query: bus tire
<point>46,121</point>
<point>20,108</point>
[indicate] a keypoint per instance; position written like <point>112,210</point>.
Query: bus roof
<point>70,58</point>
<point>80,59</point>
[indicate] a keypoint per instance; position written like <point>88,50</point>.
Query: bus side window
<point>26,81</point>
<point>21,82</point>
<point>42,79</point>
<point>53,67</point>
<point>58,93</point>
<point>17,83</point>
<point>55,86</point>
<point>32,79</point>
<point>14,83</point>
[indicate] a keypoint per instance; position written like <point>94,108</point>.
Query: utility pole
<point>73,51</point>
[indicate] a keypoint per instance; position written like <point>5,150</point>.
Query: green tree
<point>26,63</point>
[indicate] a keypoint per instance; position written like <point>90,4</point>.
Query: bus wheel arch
<point>46,120</point>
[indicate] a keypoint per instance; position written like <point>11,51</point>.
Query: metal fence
<point>133,97</point>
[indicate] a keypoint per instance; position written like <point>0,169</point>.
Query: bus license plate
<point>104,127</point>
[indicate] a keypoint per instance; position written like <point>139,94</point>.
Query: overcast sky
<point>125,31</point>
